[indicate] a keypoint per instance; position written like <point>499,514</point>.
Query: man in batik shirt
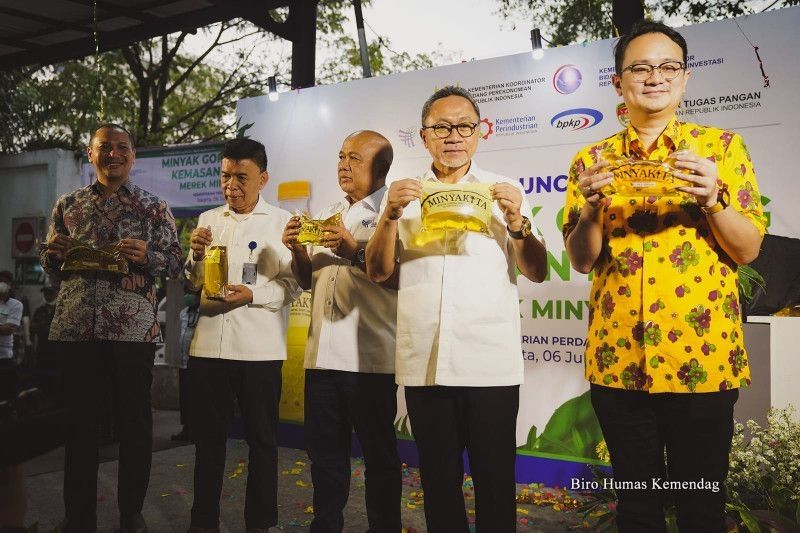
<point>105,324</point>
<point>665,355</point>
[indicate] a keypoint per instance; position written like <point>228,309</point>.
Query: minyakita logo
<point>456,197</point>
<point>576,119</point>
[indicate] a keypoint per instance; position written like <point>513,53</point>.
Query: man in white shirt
<point>351,345</point>
<point>239,344</point>
<point>458,332</point>
<point>10,318</point>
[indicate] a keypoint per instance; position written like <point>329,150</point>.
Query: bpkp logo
<point>567,79</point>
<point>579,118</point>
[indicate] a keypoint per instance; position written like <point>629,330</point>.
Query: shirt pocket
<point>267,259</point>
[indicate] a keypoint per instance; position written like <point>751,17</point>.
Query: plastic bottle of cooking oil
<point>293,196</point>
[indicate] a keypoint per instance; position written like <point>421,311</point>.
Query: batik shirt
<point>664,306</point>
<point>93,306</point>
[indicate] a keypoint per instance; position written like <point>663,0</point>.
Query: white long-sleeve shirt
<point>458,308</point>
<point>254,332</point>
<point>352,319</point>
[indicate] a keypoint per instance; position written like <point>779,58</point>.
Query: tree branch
<point>196,62</point>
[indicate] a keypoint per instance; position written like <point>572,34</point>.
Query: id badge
<point>249,273</point>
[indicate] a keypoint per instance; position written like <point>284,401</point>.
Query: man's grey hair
<point>444,92</point>
<point>5,288</point>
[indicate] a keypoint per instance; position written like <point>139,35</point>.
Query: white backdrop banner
<point>535,115</point>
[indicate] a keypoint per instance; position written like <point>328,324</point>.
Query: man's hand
<point>134,250</point>
<point>200,238</point>
<point>290,233</point>
<point>591,180</point>
<point>509,198</point>
<point>340,241</point>
<point>239,295</point>
<point>702,175</point>
<point>57,245</point>
<point>401,193</point>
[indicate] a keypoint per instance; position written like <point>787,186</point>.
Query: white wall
<point>30,184</point>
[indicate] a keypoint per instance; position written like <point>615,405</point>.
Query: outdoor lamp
<point>536,42</point>
<point>273,89</point>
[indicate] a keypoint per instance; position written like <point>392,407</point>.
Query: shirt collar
<point>473,175</point>
<point>261,208</point>
<point>98,189</point>
<point>669,138</point>
<point>372,201</point>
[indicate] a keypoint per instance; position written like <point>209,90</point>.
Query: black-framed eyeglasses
<point>442,131</point>
<point>669,70</point>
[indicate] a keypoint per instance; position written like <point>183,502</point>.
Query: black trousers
<point>336,402</point>
<point>696,431</point>
<point>8,379</point>
<point>482,420</point>
<point>213,386</point>
<point>183,395</point>
<point>87,367</point>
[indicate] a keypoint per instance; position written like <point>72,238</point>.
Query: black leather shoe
<point>182,436</point>
<point>71,526</point>
<point>133,524</point>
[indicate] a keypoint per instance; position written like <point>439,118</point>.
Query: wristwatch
<point>523,232</point>
<point>360,258</point>
<point>716,208</point>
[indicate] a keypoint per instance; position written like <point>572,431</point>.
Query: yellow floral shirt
<point>664,301</point>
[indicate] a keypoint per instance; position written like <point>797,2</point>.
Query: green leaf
<point>530,444</point>
<point>746,516</point>
<point>747,277</point>
<point>573,429</point>
<point>671,520</point>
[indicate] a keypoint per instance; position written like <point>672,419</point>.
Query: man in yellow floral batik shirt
<point>665,354</point>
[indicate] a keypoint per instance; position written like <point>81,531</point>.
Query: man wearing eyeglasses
<point>665,355</point>
<point>458,325</point>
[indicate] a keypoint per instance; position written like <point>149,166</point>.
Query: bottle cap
<point>294,190</point>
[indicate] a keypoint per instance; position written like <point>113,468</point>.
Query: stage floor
<point>169,498</point>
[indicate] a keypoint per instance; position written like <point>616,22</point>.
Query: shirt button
<point>330,302</point>
<point>333,279</point>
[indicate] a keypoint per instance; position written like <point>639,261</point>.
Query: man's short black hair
<point>111,126</point>
<point>238,149</point>
<point>444,92</point>
<point>641,28</point>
